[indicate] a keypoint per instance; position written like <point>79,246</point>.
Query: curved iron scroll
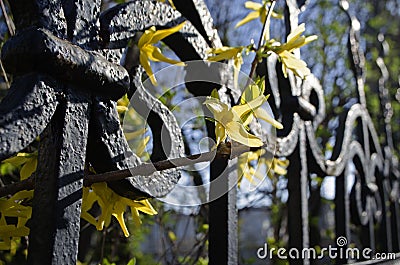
<point>357,151</point>
<point>117,26</point>
<point>49,98</point>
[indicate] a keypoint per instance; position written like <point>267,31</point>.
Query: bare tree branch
<point>9,22</point>
<point>146,169</point>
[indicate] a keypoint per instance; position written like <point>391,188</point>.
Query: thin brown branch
<point>4,73</point>
<point>10,189</point>
<point>10,24</point>
<point>264,32</point>
<point>146,169</point>
<point>224,151</point>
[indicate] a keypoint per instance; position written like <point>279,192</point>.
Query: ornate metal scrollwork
<point>357,150</point>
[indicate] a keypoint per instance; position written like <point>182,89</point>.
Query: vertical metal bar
<point>223,242</point>
<point>385,234</point>
<point>395,213</point>
<point>55,222</point>
<point>298,202</point>
<point>341,211</point>
<point>232,213</point>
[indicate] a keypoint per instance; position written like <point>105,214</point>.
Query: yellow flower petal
<point>150,52</point>
<point>277,16</point>
<point>248,107</point>
<point>310,39</point>
<point>289,61</point>
<point>121,109</point>
<point>23,194</point>
<point>163,33</point>
<point>219,109</point>
<point>290,46</point>
<point>280,170</point>
<point>135,134</point>
<point>142,146</point>
<point>253,5</point>
<point>146,37</point>
<point>283,163</point>
<point>250,93</point>
<point>214,94</point>
<point>144,61</point>
<point>111,204</point>
<point>278,167</point>
<point>220,133</point>
<point>89,218</point>
<point>224,53</point>
<point>215,105</point>
<point>157,56</point>
<point>135,216</point>
<point>16,160</point>
<point>296,32</point>
<point>172,4</point>
<point>238,133</point>
<point>118,213</point>
<point>147,208</point>
<point>251,16</point>
<point>260,113</point>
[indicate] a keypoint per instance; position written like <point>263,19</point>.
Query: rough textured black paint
<point>57,41</point>
<point>25,111</point>
<point>43,52</point>
<point>55,223</point>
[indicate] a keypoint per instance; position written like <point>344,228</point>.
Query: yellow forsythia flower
<point>228,53</point>
<point>259,11</point>
<point>27,161</point>
<point>251,92</point>
<point>111,204</point>
<point>295,40</point>
<point>13,207</point>
<point>278,167</point>
<point>149,52</point>
<point>246,169</point>
<point>230,121</point>
<point>122,104</point>
<point>285,52</point>
<point>272,167</point>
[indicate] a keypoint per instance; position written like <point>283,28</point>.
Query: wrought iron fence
<point>65,58</point>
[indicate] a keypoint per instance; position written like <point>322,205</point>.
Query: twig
<point>10,24</point>
<point>264,31</point>
<point>10,189</point>
<point>11,29</point>
<point>103,245</point>
<point>146,169</point>
<point>224,151</point>
<point>4,73</point>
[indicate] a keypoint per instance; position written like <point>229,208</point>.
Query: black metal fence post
<point>53,68</point>
<point>298,226</point>
<point>223,216</point>
<point>55,222</point>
